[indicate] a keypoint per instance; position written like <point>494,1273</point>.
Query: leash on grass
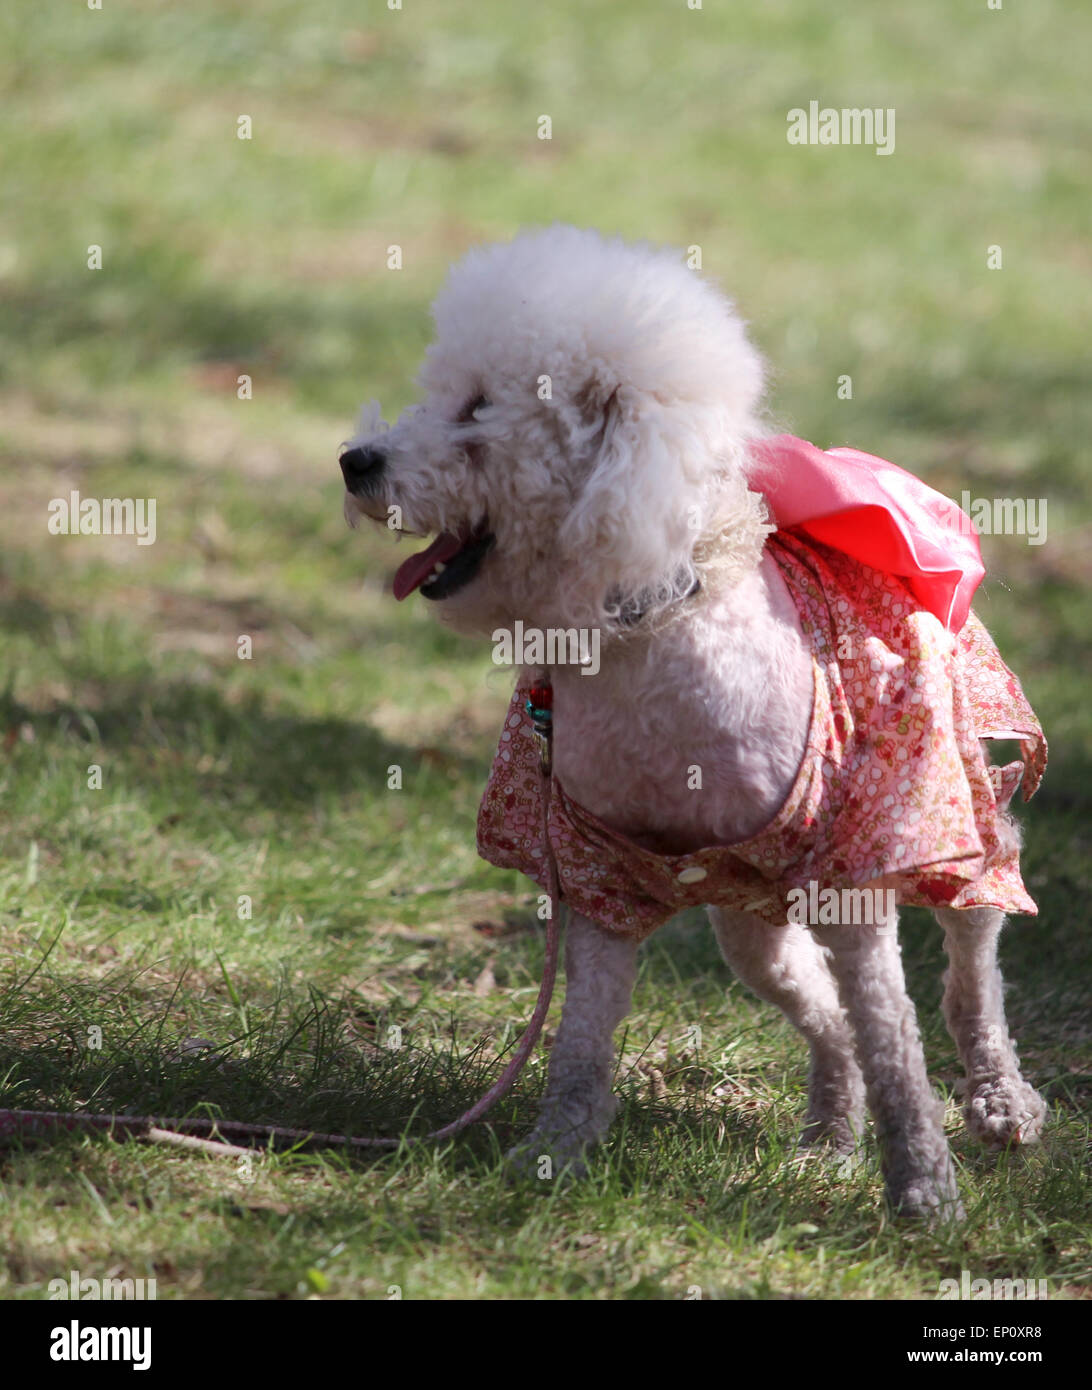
<point>193,1133</point>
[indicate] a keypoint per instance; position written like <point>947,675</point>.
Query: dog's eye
<point>470,411</point>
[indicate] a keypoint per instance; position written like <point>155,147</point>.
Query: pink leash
<point>186,1133</point>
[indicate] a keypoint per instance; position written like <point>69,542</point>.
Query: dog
<point>785,712</point>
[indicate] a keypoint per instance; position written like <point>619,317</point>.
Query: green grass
<point>267,778</point>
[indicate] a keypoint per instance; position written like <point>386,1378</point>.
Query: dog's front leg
<point>578,1106</point>
<point>917,1165</point>
<point>786,966</point>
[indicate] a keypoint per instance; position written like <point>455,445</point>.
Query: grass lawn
<point>243,875</point>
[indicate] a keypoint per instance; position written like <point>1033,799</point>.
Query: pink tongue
<point>413,572</point>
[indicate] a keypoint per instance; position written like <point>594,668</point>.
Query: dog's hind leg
<point>917,1165</point>
<point>1000,1108</point>
<point>785,966</point>
<point>600,970</point>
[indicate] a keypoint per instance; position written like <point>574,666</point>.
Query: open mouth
<point>445,566</point>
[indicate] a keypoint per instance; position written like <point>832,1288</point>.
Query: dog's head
<point>581,441</point>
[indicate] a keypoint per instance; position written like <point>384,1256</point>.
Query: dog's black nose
<point>361,467</point>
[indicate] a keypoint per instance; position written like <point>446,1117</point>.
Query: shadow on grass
<point>1003,400</point>
<point>23,613</point>
<point>166,297</point>
<point>213,750</point>
<point>312,1063</point>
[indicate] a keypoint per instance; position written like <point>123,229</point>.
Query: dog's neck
<point>632,609</point>
<point>692,733</point>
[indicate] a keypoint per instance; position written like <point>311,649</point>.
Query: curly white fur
<point>593,402</point>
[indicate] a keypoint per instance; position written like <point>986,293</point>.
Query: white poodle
<point>782,715</point>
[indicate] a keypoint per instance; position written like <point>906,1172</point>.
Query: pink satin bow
<point>876,512</point>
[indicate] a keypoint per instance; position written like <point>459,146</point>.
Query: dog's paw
<point>545,1156</point>
<point>573,1119</point>
<point>836,1138</point>
<point>1006,1111</point>
<point>931,1197</point>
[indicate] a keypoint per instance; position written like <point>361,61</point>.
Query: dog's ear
<point>597,411</point>
<point>629,515</point>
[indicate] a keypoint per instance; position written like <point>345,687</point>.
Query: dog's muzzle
<point>361,468</point>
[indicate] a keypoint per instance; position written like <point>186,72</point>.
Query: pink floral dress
<point>893,785</point>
